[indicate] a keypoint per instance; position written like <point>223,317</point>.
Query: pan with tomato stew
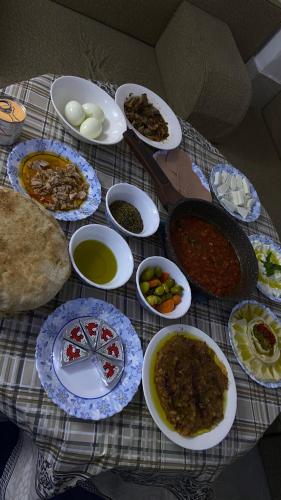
<point>205,254</point>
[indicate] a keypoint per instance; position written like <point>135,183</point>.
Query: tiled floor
<point>243,480</point>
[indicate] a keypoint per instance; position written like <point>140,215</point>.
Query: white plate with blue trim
<point>255,210</point>
<point>78,389</point>
<point>23,149</point>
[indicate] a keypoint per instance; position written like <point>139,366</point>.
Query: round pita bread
<point>34,260</point>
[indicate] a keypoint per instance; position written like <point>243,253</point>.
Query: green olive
<point>152,300</point>
<point>147,274</point>
<point>166,296</point>
<point>144,286</point>
<point>158,271</point>
<point>176,290</point>
<point>159,290</point>
<point>170,282</point>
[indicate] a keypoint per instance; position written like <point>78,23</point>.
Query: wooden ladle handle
<point>166,192</point>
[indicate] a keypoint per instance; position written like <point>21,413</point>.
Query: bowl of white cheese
<point>235,192</point>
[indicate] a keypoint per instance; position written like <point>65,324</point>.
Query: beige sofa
<point>176,48</point>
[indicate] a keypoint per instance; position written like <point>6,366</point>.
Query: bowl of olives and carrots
<point>162,288</point>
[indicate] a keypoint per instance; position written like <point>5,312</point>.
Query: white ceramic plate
<point>68,88</point>
<point>216,435</point>
<point>78,389</point>
<point>175,132</point>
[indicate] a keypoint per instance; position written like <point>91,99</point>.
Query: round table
<point>61,450</point>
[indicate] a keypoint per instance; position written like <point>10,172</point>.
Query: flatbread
<point>34,260</point>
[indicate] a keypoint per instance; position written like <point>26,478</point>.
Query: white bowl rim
<point>84,278</point>
<point>92,141</point>
<point>197,442</point>
<point>143,193</point>
<point>156,144</point>
<point>186,287</point>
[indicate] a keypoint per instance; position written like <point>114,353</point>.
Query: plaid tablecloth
<point>70,449</point>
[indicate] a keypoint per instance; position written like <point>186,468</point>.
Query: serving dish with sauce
<point>71,179</point>
<point>255,335</point>
<point>209,271</point>
<point>203,438</point>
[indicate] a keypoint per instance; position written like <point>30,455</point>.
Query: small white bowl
<point>175,273</point>
<point>117,244</point>
<point>68,88</point>
<point>174,128</point>
<point>142,202</point>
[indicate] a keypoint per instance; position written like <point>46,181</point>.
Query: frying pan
<point>177,205</point>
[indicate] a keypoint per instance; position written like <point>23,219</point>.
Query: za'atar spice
<point>127,216</point>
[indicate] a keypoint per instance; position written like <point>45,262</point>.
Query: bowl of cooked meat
<point>150,117</point>
<point>212,250</point>
<point>189,387</point>
<point>56,176</point>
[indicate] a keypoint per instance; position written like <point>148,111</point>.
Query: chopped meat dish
<point>190,385</point>
<point>54,182</point>
<point>146,119</point>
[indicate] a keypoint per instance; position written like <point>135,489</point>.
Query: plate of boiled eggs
<point>86,111</point>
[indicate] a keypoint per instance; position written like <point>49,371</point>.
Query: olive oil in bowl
<point>95,261</point>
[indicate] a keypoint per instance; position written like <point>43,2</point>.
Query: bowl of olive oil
<point>100,256</point>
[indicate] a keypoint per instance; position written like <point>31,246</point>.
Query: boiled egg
<point>74,113</point>
<point>91,128</point>
<point>93,110</point>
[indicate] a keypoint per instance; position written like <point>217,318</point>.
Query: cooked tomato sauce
<point>205,254</point>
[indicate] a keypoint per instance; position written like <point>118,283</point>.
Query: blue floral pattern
<point>256,208</point>
<point>269,385</point>
<point>262,238</point>
<point>89,206</point>
<point>121,395</point>
<point>197,170</point>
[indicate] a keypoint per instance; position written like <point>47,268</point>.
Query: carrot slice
<point>154,283</point>
<point>176,299</point>
<point>166,307</point>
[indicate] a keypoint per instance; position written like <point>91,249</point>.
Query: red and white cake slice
<point>113,350</point>
<point>91,329</point>
<point>110,370</point>
<point>71,353</point>
<point>75,334</point>
<point>107,334</point>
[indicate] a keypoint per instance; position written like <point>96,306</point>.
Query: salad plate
<point>90,388</point>
<point>268,255</point>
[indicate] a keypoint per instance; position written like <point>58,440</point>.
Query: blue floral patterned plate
<point>256,207</point>
<point>270,286</point>
<point>78,389</point>
<point>89,206</point>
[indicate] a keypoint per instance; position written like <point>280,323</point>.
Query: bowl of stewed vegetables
<point>162,288</point>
